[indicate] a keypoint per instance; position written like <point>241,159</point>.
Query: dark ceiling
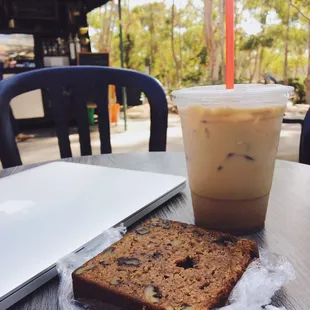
<point>46,16</point>
<point>92,4</point>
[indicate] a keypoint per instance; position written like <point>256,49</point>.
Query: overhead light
<point>83,30</point>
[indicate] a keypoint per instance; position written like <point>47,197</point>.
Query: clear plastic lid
<point>253,94</point>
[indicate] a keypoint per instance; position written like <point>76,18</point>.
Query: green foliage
<point>300,89</point>
<point>252,43</point>
<point>266,41</point>
<point>148,41</point>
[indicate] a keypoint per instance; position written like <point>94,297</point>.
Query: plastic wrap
<point>261,280</point>
<point>68,264</point>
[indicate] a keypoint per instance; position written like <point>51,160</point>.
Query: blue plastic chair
<point>1,70</point>
<point>81,81</point>
<point>304,147</point>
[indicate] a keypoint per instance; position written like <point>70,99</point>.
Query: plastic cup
<point>231,138</point>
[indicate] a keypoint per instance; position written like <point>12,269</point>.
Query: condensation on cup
<point>231,139</point>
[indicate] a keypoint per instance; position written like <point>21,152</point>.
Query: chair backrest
<point>80,82</point>
<point>304,148</point>
<point>1,70</point>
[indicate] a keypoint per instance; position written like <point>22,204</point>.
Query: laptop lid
<point>55,209</point>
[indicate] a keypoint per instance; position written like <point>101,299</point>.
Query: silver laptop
<point>56,209</point>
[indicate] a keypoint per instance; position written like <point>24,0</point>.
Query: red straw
<point>230,48</point>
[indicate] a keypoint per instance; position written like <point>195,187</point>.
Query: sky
<point>249,24</point>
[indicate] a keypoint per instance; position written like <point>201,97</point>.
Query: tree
<point>174,40</point>
<point>128,47</point>
<point>251,46</point>
<point>176,61</point>
<point>103,21</point>
<point>210,40</point>
<point>222,37</point>
<point>265,40</point>
<point>241,61</point>
<point>287,37</point>
<point>303,9</point>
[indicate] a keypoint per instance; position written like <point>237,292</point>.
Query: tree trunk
<point>114,13</point>
<point>128,46</point>
<point>151,41</point>
<point>181,56</point>
<point>210,40</point>
<point>163,69</point>
<point>241,72</point>
<point>261,53</point>
<point>287,36</point>
<point>296,68</point>
<point>300,61</point>
<point>238,14</point>
<point>222,38</point>
<point>260,64</point>
<point>252,74</point>
<point>307,82</point>
<point>216,72</point>
<point>176,63</point>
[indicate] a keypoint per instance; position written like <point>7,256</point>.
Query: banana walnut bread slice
<point>166,265</point>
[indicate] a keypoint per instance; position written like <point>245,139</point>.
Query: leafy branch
<point>299,10</point>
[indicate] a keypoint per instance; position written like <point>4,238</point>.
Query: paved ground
<point>135,139</point>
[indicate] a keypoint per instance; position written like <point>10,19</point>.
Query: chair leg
<point>9,153</point>
<point>300,159</point>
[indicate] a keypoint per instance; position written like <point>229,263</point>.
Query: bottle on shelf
<point>11,23</point>
<point>72,48</point>
<point>66,48</point>
<point>58,45</point>
<point>54,48</point>
<point>77,44</point>
<point>45,51</point>
<point>61,47</point>
<point>49,48</point>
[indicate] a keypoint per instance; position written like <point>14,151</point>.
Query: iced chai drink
<point>231,139</point>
